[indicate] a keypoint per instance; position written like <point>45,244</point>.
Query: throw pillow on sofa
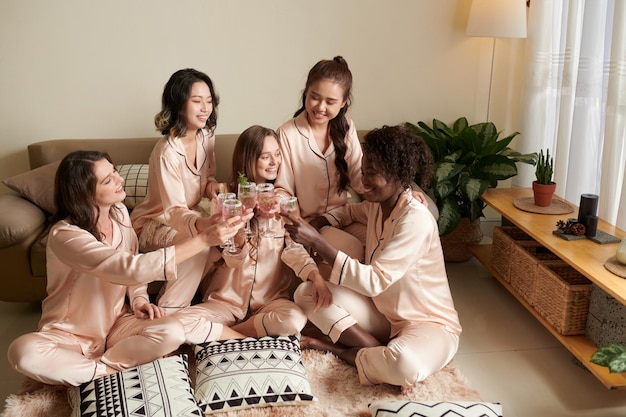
<point>36,185</point>
<point>135,183</point>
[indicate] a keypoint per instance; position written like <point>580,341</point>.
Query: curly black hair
<point>401,154</point>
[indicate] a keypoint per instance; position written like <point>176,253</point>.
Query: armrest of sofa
<point>20,219</point>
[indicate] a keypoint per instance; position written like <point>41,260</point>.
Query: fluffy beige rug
<point>334,383</point>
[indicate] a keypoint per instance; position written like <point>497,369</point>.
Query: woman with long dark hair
<point>86,329</point>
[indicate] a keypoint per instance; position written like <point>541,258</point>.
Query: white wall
<point>94,69</point>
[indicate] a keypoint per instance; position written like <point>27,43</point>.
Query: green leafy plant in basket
<point>613,356</point>
<point>469,159</point>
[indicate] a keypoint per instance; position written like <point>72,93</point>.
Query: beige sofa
<point>24,224</point>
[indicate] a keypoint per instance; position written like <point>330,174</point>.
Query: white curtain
<point>574,101</point>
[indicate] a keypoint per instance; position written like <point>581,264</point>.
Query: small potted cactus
<point>543,186</point>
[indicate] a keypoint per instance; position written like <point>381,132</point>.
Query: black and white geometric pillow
<point>435,409</point>
<point>250,372</point>
<point>160,388</point>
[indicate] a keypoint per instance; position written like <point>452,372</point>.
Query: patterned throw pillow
<point>251,372</point>
<point>435,409</point>
<point>135,183</point>
<point>159,388</point>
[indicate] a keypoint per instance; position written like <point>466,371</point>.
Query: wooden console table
<point>584,255</point>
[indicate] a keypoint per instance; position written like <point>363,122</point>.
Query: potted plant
<point>543,186</point>
<point>468,161</point>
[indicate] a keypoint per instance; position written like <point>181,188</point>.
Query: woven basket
<point>562,297</point>
<point>455,245</point>
<point>504,237</point>
<point>525,258</point>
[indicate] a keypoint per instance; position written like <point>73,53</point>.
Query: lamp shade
<point>497,19</point>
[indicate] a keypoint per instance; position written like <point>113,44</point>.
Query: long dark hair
<point>338,72</point>
<point>171,119</point>
<point>247,150</point>
<point>75,191</point>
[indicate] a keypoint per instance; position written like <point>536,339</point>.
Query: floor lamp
<point>496,19</point>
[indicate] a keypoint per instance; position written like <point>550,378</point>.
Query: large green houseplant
<point>468,160</point>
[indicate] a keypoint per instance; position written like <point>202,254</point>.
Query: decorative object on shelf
<point>543,186</point>
<point>557,206</point>
<point>616,267</point>
<point>575,230</point>
<point>617,264</point>
<point>588,207</point>
<point>612,356</point>
<point>570,227</point>
<point>591,225</point>
<point>468,161</point>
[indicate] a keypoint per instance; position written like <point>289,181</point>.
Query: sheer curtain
<point>574,100</point>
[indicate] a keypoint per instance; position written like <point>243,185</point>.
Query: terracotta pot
<point>543,193</point>
<point>455,244</point>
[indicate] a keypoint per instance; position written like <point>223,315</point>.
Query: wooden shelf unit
<point>584,255</point>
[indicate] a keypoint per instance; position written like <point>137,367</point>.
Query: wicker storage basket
<point>504,237</point>
<point>562,297</point>
<point>525,258</point>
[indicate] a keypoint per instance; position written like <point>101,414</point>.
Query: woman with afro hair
<point>392,317</point>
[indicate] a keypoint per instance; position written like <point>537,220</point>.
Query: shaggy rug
<point>333,382</point>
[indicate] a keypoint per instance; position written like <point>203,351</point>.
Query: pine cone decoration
<point>571,228</point>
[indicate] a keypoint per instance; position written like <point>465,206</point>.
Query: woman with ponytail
<point>321,151</point>
<point>322,155</point>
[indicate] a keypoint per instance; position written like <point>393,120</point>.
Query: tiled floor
<point>505,353</point>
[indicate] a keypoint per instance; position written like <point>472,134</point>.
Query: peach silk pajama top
<point>404,271</point>
<point>175,186</point>
<point>88,279</point>
<point>311,175</point>
<point>262,272</point>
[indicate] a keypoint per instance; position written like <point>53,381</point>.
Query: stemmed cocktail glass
<point>231,208</point>
<point>266,203</point>
<point>247,195</point>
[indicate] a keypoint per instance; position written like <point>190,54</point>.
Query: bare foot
<point>407,389</point>
<point>307,342</point>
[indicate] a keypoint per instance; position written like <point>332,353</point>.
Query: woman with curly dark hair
<point>392,316</point>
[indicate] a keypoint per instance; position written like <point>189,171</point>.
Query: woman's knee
<point>167,330</point>
<point>25,352</point>
<point>303,296</point>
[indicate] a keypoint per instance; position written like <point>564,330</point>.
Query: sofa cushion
<point>20,219</point>
<point>250,372</point>
<point>399,408</point>
<point>36,185</point>
<point>135,183</point>
<point>159,388</point>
